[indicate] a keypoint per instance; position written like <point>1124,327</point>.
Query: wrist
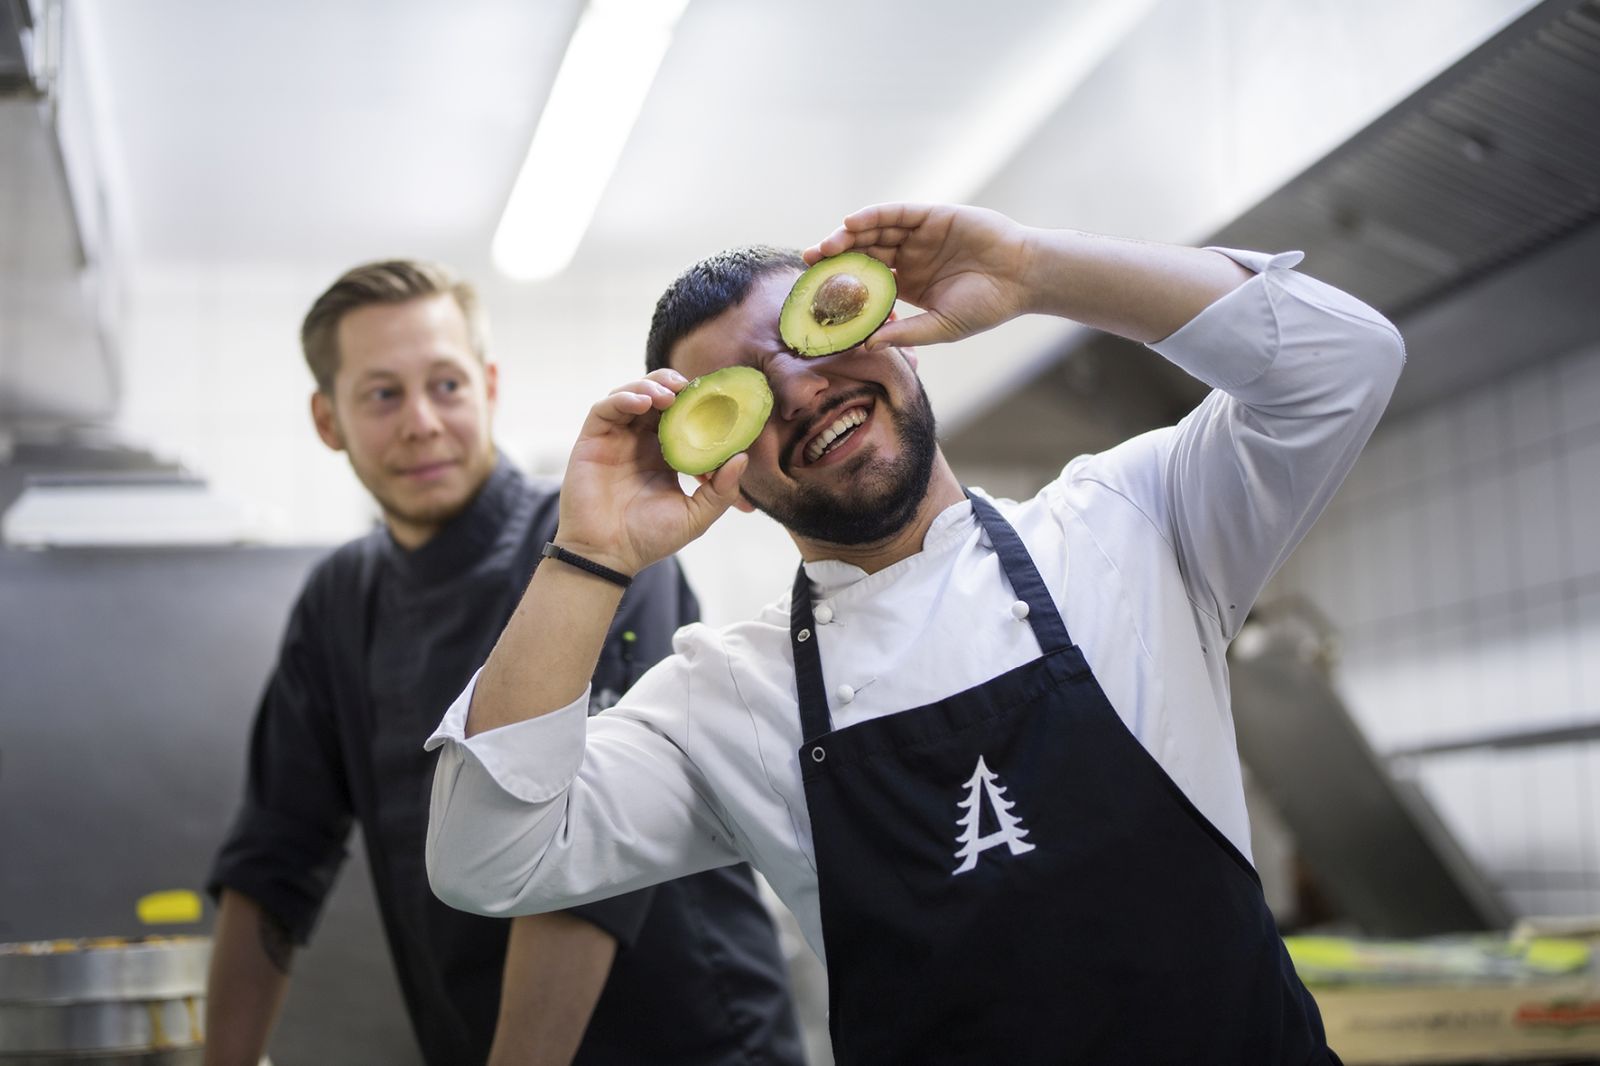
<point>596,562</point>
<point>1044,281</point>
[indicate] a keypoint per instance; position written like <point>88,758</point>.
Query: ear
<point>739,502</point>
<point>491,383</point>
<point>326,421</point>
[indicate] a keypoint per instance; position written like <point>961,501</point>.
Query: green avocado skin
<point>695,438</point>
<point>807,337</point>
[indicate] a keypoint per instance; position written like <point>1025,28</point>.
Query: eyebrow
<point>385,374</point>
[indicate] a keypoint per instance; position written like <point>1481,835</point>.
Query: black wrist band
<point>550,551</point>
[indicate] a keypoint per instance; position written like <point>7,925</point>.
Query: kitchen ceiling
<point>307,132</point>
<point>1469,213</point>
<point>289,140</point>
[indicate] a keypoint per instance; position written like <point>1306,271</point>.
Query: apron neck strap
<point>1048,628</point>
<point>1024,577</point>
<point>815,720</point>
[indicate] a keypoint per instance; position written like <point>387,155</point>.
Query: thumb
<point>718,493</point>
<point>929,327</point>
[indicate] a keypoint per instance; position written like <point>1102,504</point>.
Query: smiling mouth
<point>428,469</point>
<point>835,433</point>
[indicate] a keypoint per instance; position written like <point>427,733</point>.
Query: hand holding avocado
<point>621,504</point>
<point>966,267</point>
<point>837,304</point>
<point>714,418</point>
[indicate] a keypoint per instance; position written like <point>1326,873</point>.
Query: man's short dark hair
<point>707,289</point>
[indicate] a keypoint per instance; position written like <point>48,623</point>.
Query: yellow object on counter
<point>1452,960</point>
<point>177,906</point>
<point>1449,999</point>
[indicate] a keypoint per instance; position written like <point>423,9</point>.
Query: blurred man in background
<point>386,631</point>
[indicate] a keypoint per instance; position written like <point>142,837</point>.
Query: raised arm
<point>1302,371</point>
<point>621,507</point>
<point>970,269</point>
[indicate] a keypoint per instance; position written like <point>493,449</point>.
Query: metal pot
<point>107,1001</point>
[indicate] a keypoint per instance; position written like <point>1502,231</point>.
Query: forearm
<point>556,968</point>
<point>566,810</point>
<point>621,507</point>
<point>547,652</point>
<point>245,986</point>
<point>1138,290</point>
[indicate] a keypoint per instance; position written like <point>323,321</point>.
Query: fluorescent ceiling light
<point>1054,62</point>
<point>598,92</point>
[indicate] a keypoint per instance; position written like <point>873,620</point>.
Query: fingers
<point>660,385</point>
<point>930,327</point>
<point>655,391</point>
<point>877,230</point>
<point>719,490</point>
<point>884,217</point>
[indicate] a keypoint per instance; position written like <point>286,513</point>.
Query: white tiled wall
<point>1461,565</point>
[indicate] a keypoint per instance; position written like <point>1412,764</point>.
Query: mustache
<point>822,418</point>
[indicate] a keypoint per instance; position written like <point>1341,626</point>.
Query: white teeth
<point>841,425</point>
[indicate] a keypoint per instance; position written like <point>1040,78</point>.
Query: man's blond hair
<point>391,281</point>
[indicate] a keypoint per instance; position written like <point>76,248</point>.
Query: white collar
<point>833,578</point>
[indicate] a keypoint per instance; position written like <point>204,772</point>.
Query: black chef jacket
<point>378,645</point>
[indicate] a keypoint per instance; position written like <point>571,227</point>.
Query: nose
<point>796,385</point>
<point>421,421</point>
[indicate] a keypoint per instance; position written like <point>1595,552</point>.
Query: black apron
<point>1007,877</point>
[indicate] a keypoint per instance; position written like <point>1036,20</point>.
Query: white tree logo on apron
<point>985,783</point>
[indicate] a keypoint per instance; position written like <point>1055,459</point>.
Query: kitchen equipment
<point>109,1001</point>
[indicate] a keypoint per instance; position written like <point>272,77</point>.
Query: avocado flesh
<point>714,418</point>
<point>836,304</point>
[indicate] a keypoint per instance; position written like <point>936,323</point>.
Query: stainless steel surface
<point>87,999</point>
<point>73,971</point>
<point>114,1025</point>
<point>1373,842</point>
<point>178,1057</point>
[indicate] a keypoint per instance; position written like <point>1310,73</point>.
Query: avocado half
<point>836,304</point>
<point>715,417</point>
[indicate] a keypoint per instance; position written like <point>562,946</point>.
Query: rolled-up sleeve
<point>565,809</point>
<point>531,762</point>
<point>287,842</point>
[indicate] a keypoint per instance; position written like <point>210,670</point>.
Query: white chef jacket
<point>1153,551</point>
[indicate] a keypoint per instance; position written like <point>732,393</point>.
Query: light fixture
<point>608,68</point>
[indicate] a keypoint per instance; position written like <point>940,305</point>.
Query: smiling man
<point>386,630</point>
<point>983,749</point>
<point>877,490</point>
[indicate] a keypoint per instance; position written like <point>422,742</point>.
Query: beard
<point>426,507</point>
<point>883,495</point>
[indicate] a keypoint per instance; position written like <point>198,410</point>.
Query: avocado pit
<point>836,304</point>
<point>839,299</point>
